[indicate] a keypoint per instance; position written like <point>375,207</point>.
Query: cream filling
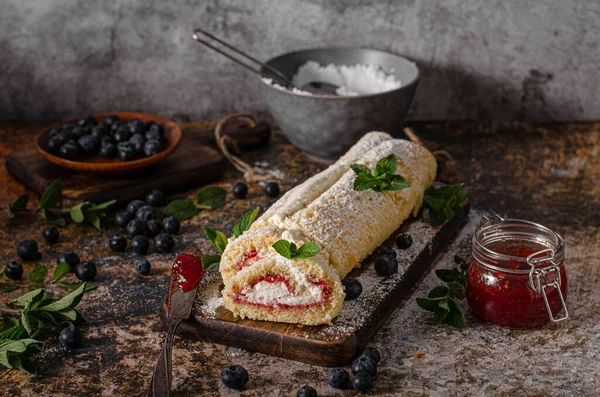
<point>277,293</point>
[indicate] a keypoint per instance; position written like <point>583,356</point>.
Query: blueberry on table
<point>122,134</point>
<point>137,141</point>
<point>404,241</point>
<point>118,243</point>
<point>123,218</point>
<point>143,267</point>
<point>70,258</point>
<point>135,205</point>
<point>146,213</point>
<point>385,251</point>
<point>28,250</point>
<point>136,228</point>
<point>86,271</point>
<point>140,244</point>
<point>272,189</point>
<point>68,151</point>
<point>386,266</point>
<point>352,287</point>
<point>14,270</point>
<point>152,147</point>
<point>171,225</point>
<point>153,227</point>
<point>87,145</point>
<point>362,382</point>
<point>156,198</point>
<point>126,152</point>
<point>371,352</point>
<point>306,391</point>
<point>240,190</point>
<point>364,364</point>
<point>50,234</point>
<point>234,376</point>
<point>338,378</point>
<point>71,337</point>
<point>163,243</point>
<point>111,119</point>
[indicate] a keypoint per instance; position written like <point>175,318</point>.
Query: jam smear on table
<point>507,299</point>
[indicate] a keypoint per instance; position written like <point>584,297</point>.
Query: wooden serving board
<point>192,164</point>
<point>359,320</point>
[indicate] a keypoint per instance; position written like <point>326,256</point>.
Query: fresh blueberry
<point>272,189</point>
<point>234,377</point>
<point>148,124</point>
<point>146,213</point>
<point>157,128</point>
<point>87,145</point>
<point>136,126</point>
<point>338,378</point>
<point>78,132</point>
<point>55,131</point>
<point>135,205</point>
<point>123,218</point>
<point>51,234</point>
<point>136,228</point>
<point>156,198</point>
<point>163,243</point>
<point>171,225</point>
<point>240,190</point>
<point>118,243</point>
<point>152,147</point>
<point>306,391</point>
<point>122,134</point>
<point>70,258</point>
<point>68,127</point>
<point>68,151</point>
<point>71,337</point>
<point>86,271</point>
<point>109,120</point>
<point>152,134</point>
<point>364,364</point>
<point>362,382</point>
<point>404,241</point>
<point>125,151</point>
<point>385,251</point>
<point>99,132</point>
<point>87,121</point>
<point>386,266</point>
<point>28,250</point>
<point>14,270</point>
<point>153,227</point>
<point>55,143</point>
<point>106,139</point>
<point>352,287</point>
<point>137,141</point>
<point>140,244</point>
<point>142,266</point>
<point>371,352</point>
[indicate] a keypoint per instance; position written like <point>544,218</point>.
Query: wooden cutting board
<point>194,162</point>
<point>359,320</point>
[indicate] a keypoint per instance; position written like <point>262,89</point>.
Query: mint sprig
<point>209,197</point>
<point>289,250</point>
<point>444,202</point>
<point>444,300</point>
<point>384,177</point>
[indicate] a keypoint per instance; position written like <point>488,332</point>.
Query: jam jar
<point>517,275</point>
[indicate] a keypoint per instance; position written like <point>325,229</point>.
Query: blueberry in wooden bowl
<point>109,143</point>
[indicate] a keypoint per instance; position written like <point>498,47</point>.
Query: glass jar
<point>517,275</point>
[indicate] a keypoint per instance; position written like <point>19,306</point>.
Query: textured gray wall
<point>497,59</point>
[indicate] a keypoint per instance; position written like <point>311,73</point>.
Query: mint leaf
<point>438,292</point>
<point>102,206</point>
<point>444,202</point>
<point>75,286</point>
<point>443,304</point>
<point>20,203</point>
<point>361,169</point>
<point>384,177</point>
<point>28,323</point>
<point>439,315</point>
<point>52,195</point>
<point>457,289</point>
<point>217,239</point>
<point>365,182</point>
<point>307,250</point>
<point>38,274</point>
<point>61,269</point>
<point>210,261</point>
<point>397,182</point>
<point>68,302</point>
<point>283,248</point>
<point>7,288</point>
<point>387,165</point>
<point>27,299</point>
<point>210,197</point>
<point>455,317</point>
<point>77,211</point>
<point>13,333</point>
<point>447,274</point>
<point>243,224</point>
<point>53,218</point>
<point>181,209</point>
<point>429,304</point>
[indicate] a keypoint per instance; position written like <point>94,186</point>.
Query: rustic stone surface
<point>546,173</point>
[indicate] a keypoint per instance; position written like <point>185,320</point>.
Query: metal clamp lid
<point>535,282</point>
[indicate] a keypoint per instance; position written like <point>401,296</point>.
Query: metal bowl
<point>326,126</point>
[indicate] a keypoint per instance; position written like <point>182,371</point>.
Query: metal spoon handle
<point>160,384</point>
<point>273,73</point>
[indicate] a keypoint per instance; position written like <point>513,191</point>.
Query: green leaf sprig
<point>384,177</point>
<point>50,208</point>
<point>444,300</point>
<point>26,318</point>
<point>444,202</point>
<point>219,239</point>
<point>37,279</point>
<point>289,250</point>
<point>209,197</point>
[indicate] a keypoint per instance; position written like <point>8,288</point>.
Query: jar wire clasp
<point>494,220</point>
<point>535,280</point>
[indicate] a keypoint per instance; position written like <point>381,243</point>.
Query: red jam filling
<point>187,272</point>
<point>507,299</point>
<point>249,259</point>
<point>276,278</point>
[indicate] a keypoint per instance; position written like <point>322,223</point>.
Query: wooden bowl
<point>97,164</point>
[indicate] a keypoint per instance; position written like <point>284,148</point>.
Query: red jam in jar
<point>517,275</point>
